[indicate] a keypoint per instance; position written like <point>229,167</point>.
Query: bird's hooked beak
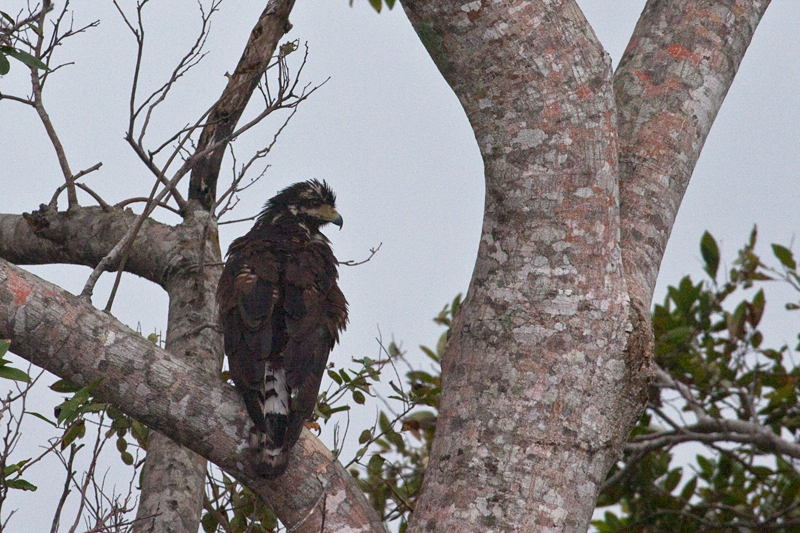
<point>337,219</point>
<point>329,214</point>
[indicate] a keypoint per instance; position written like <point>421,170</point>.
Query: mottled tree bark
<point>545,372</point>
<point>83,236</point>
<point>669,86</point>
<point>173,477</point>
<point>535,372</point>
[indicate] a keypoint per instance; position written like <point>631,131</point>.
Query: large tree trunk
<point>173,477</point>
<point>538,393</point>
<point>546,369</point>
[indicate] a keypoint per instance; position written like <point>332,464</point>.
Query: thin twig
<point>36,83</point>
<point>65,492</point>
<point>372,252</point>
<point>238,220</point>
<point>140,199</point>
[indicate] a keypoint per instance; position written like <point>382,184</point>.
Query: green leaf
<point>10,469</point>
<point>5,66</point>
<point>427,351</point>
<point>735,320</point>
<point>335,377</point>
<point>62,385</point>
<point>358,397</point>
<point>339,409</point>
<point>376,5</point>
<point>42,417</point>
<point>4,345</point>
<point>757,308</point>
<point>785,256</point>
<point>688,490</point>
<point>672,480</point>
<point>209,523</point>
<point>27,59</point>
<point>127,458</point>
<point>14,374</point>
<point>376,463</point>
<point>140,432</point>
<point>710,253</point>
<point>360,453</point>
<point>706,466</point>
<point>77,430</point>
<point>21,484</point>
<point>365,436</point>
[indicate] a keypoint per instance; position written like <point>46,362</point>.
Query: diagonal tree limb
<point>270,28</point>
<point>59,332</point>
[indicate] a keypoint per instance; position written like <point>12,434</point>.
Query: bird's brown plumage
<point>281,312</point>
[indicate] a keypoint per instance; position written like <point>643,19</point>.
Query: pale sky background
<point>391,138</point>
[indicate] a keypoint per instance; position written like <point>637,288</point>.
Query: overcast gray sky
<point>390,137</point>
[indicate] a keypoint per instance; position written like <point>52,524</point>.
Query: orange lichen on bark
<point>19,288</point>
<point>678,51</point>
<point>584,92</point>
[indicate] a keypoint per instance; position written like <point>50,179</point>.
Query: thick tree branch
<point>669,86</point>
<point>57,331</point>
<point>264,38</point>
<point>84,236</point>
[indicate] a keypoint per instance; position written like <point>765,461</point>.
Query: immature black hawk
<point>281,312</point>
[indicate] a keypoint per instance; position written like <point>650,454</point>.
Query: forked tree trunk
<point>545,372</point>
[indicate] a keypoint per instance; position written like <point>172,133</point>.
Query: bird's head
<point>312,202</point>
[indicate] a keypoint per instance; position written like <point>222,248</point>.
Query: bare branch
<point>264,37</point>
<point>25,101</point>
<point>157,172</point>
<point>139,199</point>
<point>372,252</point>
<point>189,60</point>
<point>9,29</point>
<point>36,83</point>
<point>238,220</point>
<point>73,449</point>
<point>664,378</point>
<point>712,431</point>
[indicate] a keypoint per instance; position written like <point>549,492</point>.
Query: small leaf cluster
<point>709,341</point>
<point>11,474</point>
<point>355,384</point>
<point>71,416</point>
<point>399,447</point>
<point>7,51</point>
<point>233,508</point>
<point>377,5</point>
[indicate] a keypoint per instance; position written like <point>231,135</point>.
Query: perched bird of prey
<point>281,312</point>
